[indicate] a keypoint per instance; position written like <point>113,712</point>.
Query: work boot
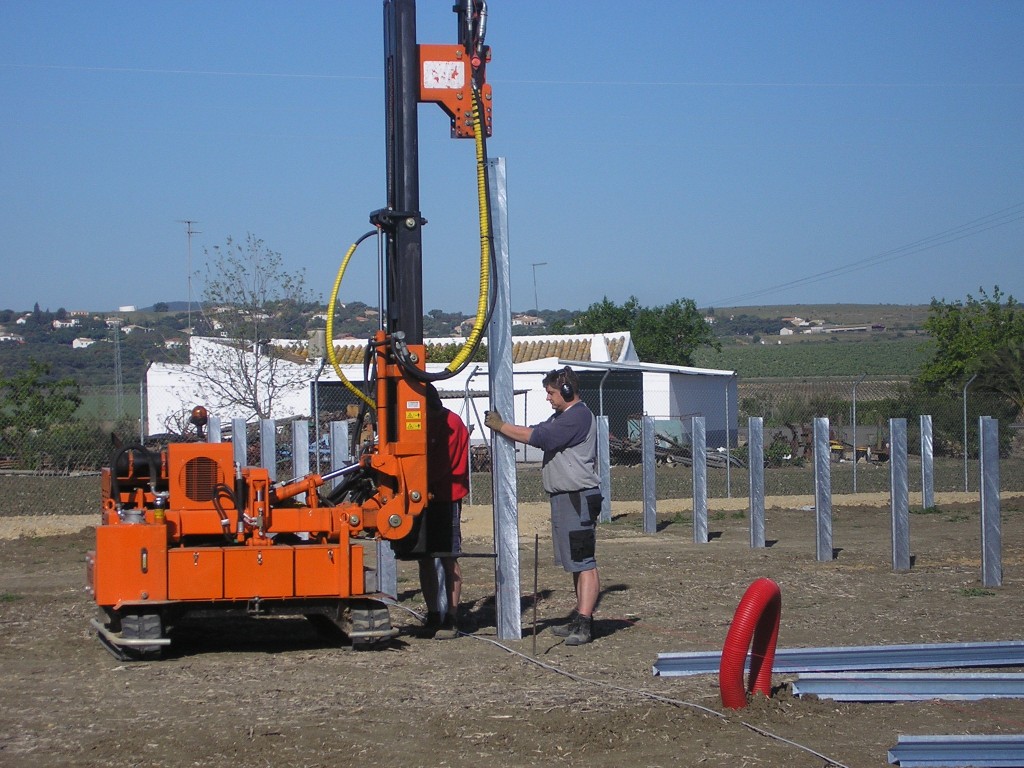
<point>449,628</point>
<point>581,633</point>
<point>564,630</point>
<point>429,628</point>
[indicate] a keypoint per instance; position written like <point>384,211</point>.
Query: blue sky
<point>730,153</point>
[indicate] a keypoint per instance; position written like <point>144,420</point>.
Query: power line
<point>977,226</point>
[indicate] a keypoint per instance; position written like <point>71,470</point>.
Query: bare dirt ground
<point>271,692</point>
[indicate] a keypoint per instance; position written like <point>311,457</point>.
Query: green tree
<point>672,333</point>
<point>981,337</point>
<point>1001,372</point>
<point>606,316</point>
<point>34,404</point>
<point>667,334</point>
<point>965,334</point>
<point>34,400</point>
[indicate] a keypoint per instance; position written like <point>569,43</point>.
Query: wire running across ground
<point>636,691</point>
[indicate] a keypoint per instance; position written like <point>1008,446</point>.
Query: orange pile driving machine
<point>185,531</point>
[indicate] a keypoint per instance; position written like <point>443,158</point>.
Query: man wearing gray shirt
<point>569,472</point>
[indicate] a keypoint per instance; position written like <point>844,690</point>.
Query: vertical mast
<point>402,222</point>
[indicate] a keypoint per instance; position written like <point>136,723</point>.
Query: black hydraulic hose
<point>222,489</point>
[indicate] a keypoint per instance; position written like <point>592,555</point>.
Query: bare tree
<point>239,367</point>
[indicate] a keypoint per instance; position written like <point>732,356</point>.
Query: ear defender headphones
<point>564,386</point>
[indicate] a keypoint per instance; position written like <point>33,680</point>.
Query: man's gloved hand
<point>492,420</point>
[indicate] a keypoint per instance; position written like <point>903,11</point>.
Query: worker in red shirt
<point>448,485</point>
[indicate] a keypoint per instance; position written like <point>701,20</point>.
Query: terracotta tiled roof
<point>350,354</point>
<point>524,348</point>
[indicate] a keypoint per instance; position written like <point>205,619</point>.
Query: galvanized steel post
<point>503,452</point>
<point>340,452</point>
<point>899,497</point>
<point>699,449</point>
<point>300,452</point>
<point>268,447</point>
<point>991,527</point>
<point>239,447</point>
<point>927,464</point>
<point>822,490</point>
<point>755,470</point>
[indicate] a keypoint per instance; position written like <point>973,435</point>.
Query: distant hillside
<point>892,316</point>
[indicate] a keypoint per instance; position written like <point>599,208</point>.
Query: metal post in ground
<point>239,440</point>
<point>755,470</point>
<point>698,432</point>
<point>300,452</point>
<point>268,447</point>
<point>337,433</point>
<point>213,429</point>
<point>822,490</point>
<point>899,494</point>
<point>503,452</point>
<point>927,464</point>
<point>991,528</point>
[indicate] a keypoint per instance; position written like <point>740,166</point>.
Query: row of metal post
<point>387,572</point>
<point>988,429</point>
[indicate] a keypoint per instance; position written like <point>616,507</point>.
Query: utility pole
<point>189,231</point>
<point>536,303</point>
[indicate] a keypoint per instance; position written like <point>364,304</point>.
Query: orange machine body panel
<point>322,571</point>
<point>264,572</point>
<point>195,573</point>
<point>194,469</point>
<point>130,564</point>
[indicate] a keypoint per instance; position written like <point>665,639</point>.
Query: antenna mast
<point>189,232</point>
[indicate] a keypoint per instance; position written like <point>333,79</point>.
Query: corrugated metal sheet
<point>862,658</point>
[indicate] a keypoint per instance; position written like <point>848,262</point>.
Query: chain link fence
<point>56,470</point>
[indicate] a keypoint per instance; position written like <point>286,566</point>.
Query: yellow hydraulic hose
<point>480,321</point>
<point>485,237</point>
<point>330,326</point>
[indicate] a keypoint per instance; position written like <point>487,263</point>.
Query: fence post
<point>853,418</point>
<point>899,494</point>
<point>822,489</point>
<point>991,531</point>
<point>648,463</point>
<point>755,470</point>
<point>605,468</point>
<point>699,449</point>
<point>966,451</point>
<point>728,446</point>
<point>927,464</point>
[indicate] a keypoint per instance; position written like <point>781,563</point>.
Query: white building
<point>612,381</point>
